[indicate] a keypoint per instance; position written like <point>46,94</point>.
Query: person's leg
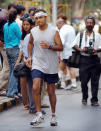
<point>4,73</point>
<point>24,91</point>
<point>36,93</point>
<point>12,55</point>
<point>62,73</point>
<point>73,77</point>
<point>84,78</point>
<point>43,94</point>
<point>37,99</point>
<point>95,75</point>
<point>32,108</point>
<point>52,96</point>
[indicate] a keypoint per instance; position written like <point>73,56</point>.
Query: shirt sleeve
<point>62,36</point>
<point>76,40</point>
<point>99,41</point>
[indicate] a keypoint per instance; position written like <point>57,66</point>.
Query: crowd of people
<point>45,49</point>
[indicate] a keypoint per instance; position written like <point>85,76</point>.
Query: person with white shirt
<point>89,60</point>
<point>20,13</point>
<point>67,35</point>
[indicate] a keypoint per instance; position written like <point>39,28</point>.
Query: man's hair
<point>40,10</point>
<point>62,16</point>
<point>32,9</point>
<point>90,17</point>
<point>20,8</point>
<point>12,5</point>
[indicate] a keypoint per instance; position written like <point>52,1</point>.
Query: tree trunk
<point>78,8</point>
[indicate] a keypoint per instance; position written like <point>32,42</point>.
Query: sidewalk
<point>6,103</point>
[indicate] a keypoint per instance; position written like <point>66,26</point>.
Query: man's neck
<point>44,27</point>
<point>89,32</point>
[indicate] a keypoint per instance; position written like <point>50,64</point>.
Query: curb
<point>10,103</point>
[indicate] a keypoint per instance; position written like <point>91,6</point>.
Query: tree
<point>78,7</point>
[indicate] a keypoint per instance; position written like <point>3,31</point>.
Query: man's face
<point>22,12</point>
<point>89,24</point>
<point>41,20</point>
<point>59,23</point>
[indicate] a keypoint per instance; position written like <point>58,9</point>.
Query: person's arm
<point>58,44</point>
<point>1,44</point>
<point>30,48</point>
<point>99,46</point>
<point>19,57</point>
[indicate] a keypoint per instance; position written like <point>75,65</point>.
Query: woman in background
<point>12,37</point>
<point>26,82</point>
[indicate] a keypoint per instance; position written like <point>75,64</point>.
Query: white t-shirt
<point>24,45</point>
<point>19,22</point>
<point>67,35</point>
<point>85,43</point>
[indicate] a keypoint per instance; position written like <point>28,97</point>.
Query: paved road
<point>71,114</point>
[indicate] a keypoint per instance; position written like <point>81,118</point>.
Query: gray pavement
<point>71,115</point>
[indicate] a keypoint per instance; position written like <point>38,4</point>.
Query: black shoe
<point>94,104</point>
<point>84,102</point>
<point>43,112</point>
<point>32,111</point>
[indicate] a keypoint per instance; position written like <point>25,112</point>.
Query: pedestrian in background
<point>20,13</point>
<point>67,35</point>
<point>89,60</point>
<point>12,37</point>
<point>26,82</point>
<point>4,73</point>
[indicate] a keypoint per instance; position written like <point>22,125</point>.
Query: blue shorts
<point>49,78</point>
<point>66,61</point>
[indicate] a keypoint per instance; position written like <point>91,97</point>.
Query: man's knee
<point>51,90</point>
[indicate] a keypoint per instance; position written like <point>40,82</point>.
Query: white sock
<point>60,73</point>
<point>73,80</point>
<point>53,114</point>
<point>39,113</point>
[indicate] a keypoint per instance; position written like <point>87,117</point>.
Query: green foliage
<point>93,4</point>
<point>4,3</point>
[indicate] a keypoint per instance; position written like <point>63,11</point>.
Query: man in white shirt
<point>20,12</point>
<point>89,61</point>
<point>67,34</point>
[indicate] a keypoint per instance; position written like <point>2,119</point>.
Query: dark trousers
<point>89,71</point>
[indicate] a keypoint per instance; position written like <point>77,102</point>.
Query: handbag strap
<point>81,35</point>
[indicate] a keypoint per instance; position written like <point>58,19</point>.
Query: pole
<point>54,12</point>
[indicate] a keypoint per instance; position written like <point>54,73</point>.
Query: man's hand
<point>1,44</point>
<point>94,51</point>
<point>85,49</point>
<point>44,45</point>
<point>29,63</point>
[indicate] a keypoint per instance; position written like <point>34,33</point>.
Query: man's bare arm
<point>58,42</point>
<point>30,46</point>
<point>79,49</point>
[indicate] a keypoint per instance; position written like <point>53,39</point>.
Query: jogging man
<point>45,41</point>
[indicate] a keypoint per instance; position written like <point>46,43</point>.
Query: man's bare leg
<point>36,93</point>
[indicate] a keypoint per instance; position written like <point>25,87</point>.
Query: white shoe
<point>37,120</point>
<point>63,84</point>
<point>53,121</point>
<point>68,88</point>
